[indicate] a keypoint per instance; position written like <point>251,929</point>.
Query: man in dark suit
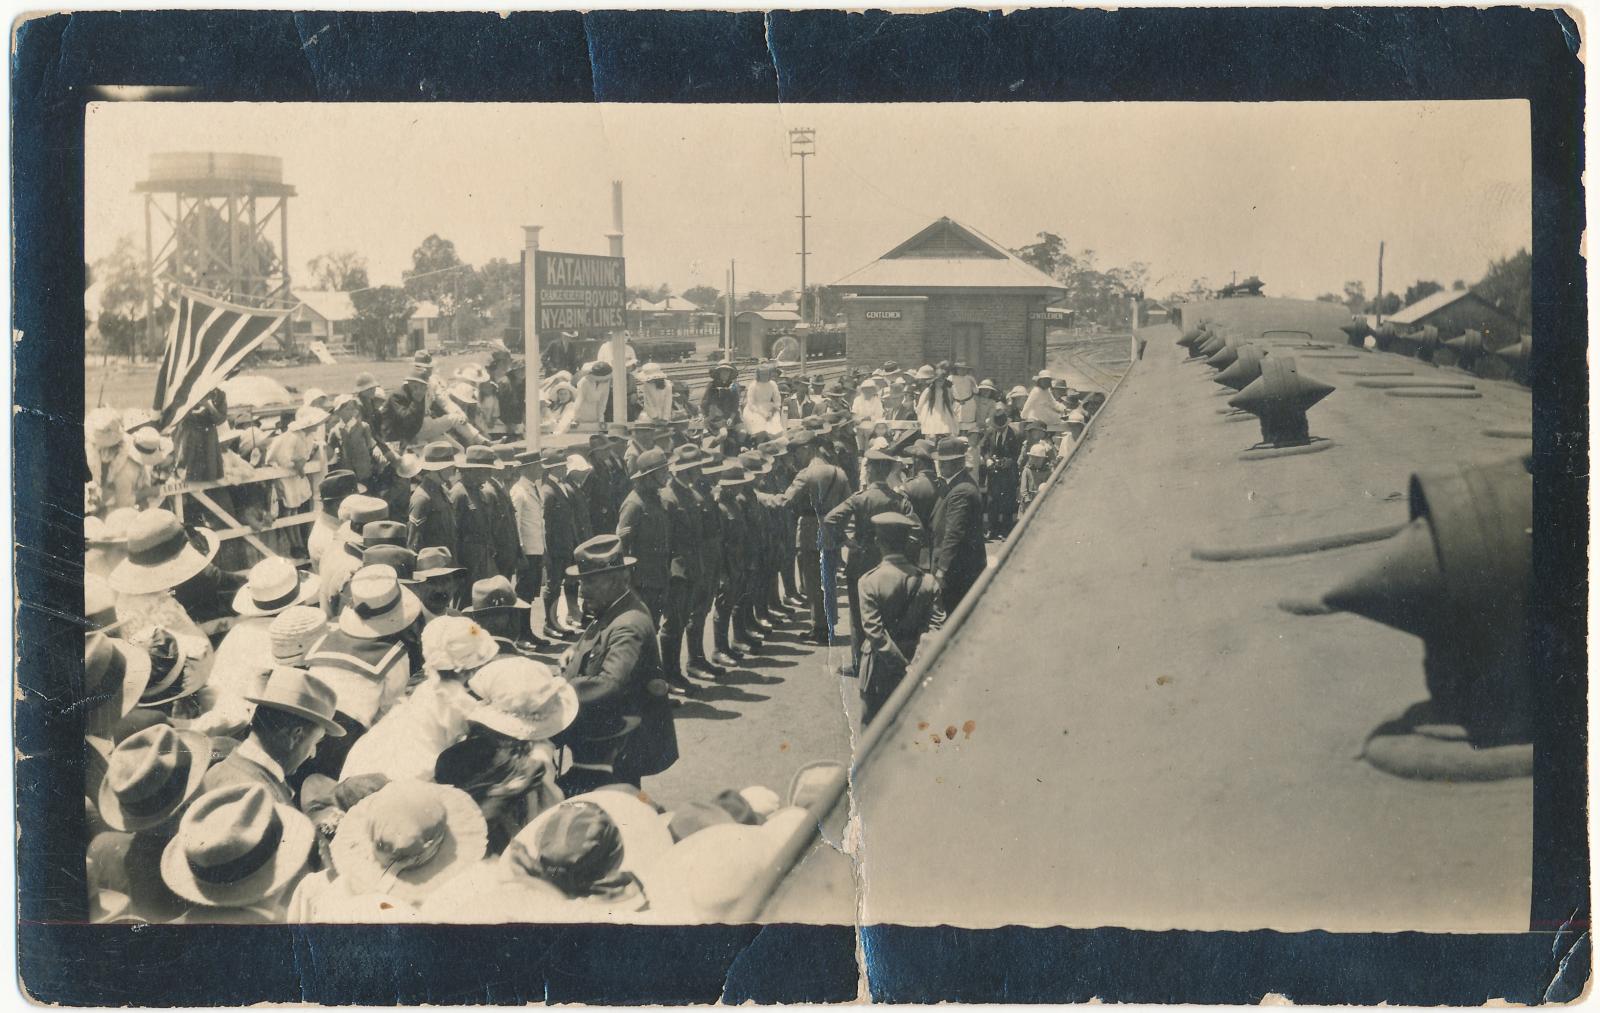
<point>624,731</point>
<point>923,492</point>
<point>431,516</point>
<point>294,710</point>
<point>958,553</point>
<point>560,539</point>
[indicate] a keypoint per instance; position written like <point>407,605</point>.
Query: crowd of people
<point>461,669</point>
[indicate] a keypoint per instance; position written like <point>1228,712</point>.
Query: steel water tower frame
<point>213,209</point>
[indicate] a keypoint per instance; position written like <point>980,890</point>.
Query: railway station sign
<point>883,314</point>
<point>579,292</point>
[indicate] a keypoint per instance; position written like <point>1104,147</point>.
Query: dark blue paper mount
<point>966,56</point>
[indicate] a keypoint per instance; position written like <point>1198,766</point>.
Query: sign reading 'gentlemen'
<point>579,292</point>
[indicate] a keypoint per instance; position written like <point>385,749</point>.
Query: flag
<point>208,339</point>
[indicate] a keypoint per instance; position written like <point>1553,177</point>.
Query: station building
<point>951,293</point>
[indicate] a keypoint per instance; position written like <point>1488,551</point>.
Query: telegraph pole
<point>803,144</point>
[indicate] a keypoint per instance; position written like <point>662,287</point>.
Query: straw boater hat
<point>378,606</point>
<point>273,585</point>
<point>307,417</point>
<point>151,775</point>
<point>600,554</point>
<point>522,699</point>
<point>160,554</point>
<point>408,838</point>
<point>235,847</point>
<point>294,630</point>
<point>150,447</point>
<point>298,692</point>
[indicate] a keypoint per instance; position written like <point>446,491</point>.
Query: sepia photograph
<point>1122,520</point>
<point>1167,485</point>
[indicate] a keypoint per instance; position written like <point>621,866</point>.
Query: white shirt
<point>963,389</point>
<point>763,408</point>
<point>528,501</point>
<point>1041,406</point>
<point>406,742</point>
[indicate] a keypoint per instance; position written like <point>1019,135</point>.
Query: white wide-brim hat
<point>246,604</point>
<point>466,838</point>
<point>133,576</point>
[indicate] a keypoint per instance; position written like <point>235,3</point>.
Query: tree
<point>1388,305</point>
<point>338,271</point>
<point>1421,290</point>
<point>755,299</point>
<point>381,315</point>
<point>1330,297</point>
<point>438,275</point>
<point>649,293</point>
<point>1508,284</point>
<point>825,303</point>
<point>1355,296</point>
<point>703,296</point>
<point>1049,254</point>
<point>122,299</point>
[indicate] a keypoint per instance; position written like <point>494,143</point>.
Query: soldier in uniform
<point>850,525</point>
<point>624,730</point>
<point>601,486</point>
<point>645,530</point>
<point>763,526</point>
<point>474,548</point>
<point>712,562</point>
<point>923,492</point>
<point>560,539</point>
<point>682,501</point>
<point>814,493</point>
<point>898,599</point>
<point>731,631</point>
<point>502,515</point>
<point>958,553</point>
<point>431,516</point>
<point>642,437</point>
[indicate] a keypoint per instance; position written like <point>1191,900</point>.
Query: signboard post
<point>584,293</point>
<point>530,335</point>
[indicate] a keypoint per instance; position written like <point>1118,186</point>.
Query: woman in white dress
<point>763,403</point>
<point>594,392</point>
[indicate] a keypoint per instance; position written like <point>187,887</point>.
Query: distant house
<point>1455,312</point>
<point>427,328</point>
<point>328,317</point>
<point>950,292</point>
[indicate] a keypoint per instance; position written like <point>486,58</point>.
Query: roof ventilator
<point>1279,399</point>
<point>1458,577</point>
<point>1243,370</point>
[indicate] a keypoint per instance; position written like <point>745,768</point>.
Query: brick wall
<point>926,332</point>
<point>880,338</point>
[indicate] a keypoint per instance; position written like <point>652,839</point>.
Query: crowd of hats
<point>368,846</point>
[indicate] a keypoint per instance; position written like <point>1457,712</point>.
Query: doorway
<point>969,345</point>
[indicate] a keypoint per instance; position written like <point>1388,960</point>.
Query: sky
<point>1297,193</point>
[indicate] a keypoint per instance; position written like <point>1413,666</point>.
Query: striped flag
<point>208,339</point>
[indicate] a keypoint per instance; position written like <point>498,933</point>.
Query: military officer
<point>850,525</point>
<point>815,492</point>
<point>646,531</point>
<point>898,599</point>
<point>624,730</point>
<point>430,515</point>
<point>684,513</point>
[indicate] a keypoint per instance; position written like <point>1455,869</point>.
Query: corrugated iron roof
<point>775,315</point>
<point>990,265</point>
<point>328,305</point>
<point>1429,304</point>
